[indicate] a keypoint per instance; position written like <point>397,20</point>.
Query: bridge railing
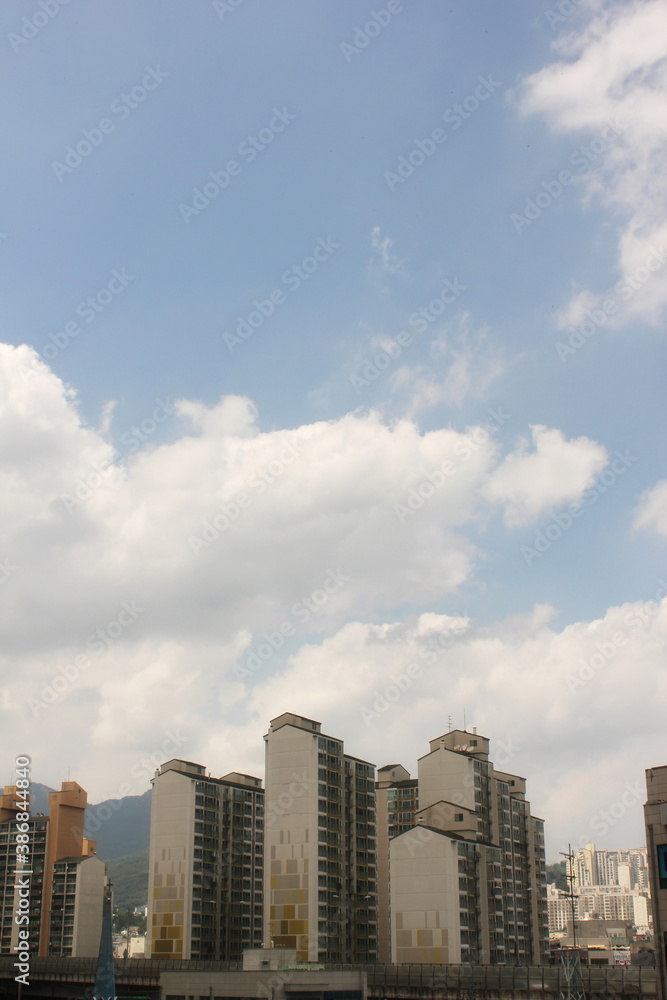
<point>598,981</point>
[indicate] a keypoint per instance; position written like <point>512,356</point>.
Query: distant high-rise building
<point>626,868</point>
<point>655,820</point>
<point>608,902</point>
<point>206,863</point>
<point>320,861</point>
<point>468,883</point>
<point>66,881</point>
<point>397,801</point>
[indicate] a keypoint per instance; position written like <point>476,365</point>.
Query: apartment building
<point>627,868</point>
<point>205,883</point>
<point>66,881</point>
<point>468,882</point>
<point>606,902</point>
<point>655,821</point>
<point>77,894</point>
<point>320,872</point>
<point>397,803</point>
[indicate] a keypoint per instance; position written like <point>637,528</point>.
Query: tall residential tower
<point>206,864</point>
<point>320,861</point>
<point>468,883</point>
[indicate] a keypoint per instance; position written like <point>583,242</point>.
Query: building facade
<point>397,803</point>
<point>320,871</point>
<point>655,821</point>
<point>66,881</point>
<point>468,883</point>
<point>77,888</point>
<point>205,883</point>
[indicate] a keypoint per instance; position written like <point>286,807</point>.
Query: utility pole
<point>571,981</point>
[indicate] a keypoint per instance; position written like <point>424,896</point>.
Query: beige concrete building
<point>468,884</point>
<point>397,802</point>
<point>655,820</point>
<point>608,902</point>
<point>205,882</point>
<point>320,861</point>
<point>77,892</point>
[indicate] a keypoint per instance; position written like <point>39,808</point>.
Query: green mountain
<point>120,826</point>
<point>129,876</point>
<point>556,873</point>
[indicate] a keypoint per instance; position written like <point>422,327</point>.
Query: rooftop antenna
<point>464,720</point>
<point>449,722</point>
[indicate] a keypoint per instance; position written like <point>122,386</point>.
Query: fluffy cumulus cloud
<point>651,511</point>
<point>541,693</point>
<point>608,88</point>
<point>173,601</point>
<point>530,483</point>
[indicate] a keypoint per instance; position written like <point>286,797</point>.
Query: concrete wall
<point>290,841</point>
<point>270,985</point>
<point>88,908</point>
<point>169,922</point>
<point>446,776</point>
<point>424,898</point>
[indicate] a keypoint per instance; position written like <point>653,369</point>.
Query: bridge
<point>146,979</point>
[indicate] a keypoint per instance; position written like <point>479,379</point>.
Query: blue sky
<point>157,99</point>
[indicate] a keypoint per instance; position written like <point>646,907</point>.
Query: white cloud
<point>529,484</point>
<point>615,70</point>
<point>651,511</point>
<point>533,689</point>
<point>464,365</point>
<point>125,633</point>
<point>384,261</point>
